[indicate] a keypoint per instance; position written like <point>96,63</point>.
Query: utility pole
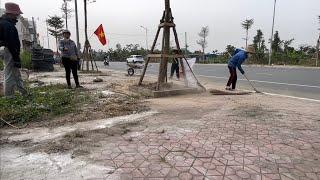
<point>146,29</point>
<point>66,10</point>
<point>77,24</point>
<point>35,40</point>
<point>318,51</point>
<point>186,42</point>
<point>271,39</point>
<point>48,34</point>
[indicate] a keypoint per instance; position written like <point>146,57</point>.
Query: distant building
<point>26,31</point>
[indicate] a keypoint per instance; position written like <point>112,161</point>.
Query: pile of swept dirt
<point>146,89</point>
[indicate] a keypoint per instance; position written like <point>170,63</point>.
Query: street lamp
<point>146,29</point>
<point>271,39</point>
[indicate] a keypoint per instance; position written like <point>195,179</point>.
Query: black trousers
<point>233,77</point>
<point>69,66</point>
<point>175,68</point>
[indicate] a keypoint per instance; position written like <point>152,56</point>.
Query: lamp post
<point>146,29</point>
<point>271,39</point>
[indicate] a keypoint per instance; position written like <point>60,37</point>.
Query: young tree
<point>56,24</point>
<point>286,46</point>
<point>66,11</point>
<point>259,44</point>
<point>204,33</point>
<point>276,43</point>
<point>230,50</point>
<point>247,24</point>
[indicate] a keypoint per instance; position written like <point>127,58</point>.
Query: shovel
<point>252,84</point>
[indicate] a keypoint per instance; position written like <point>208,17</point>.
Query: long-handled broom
<point>257,91</point>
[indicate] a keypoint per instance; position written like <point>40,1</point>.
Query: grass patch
<point>1,64</point>
<point>43,103</point>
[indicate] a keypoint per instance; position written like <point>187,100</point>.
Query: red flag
<point>100,33</point>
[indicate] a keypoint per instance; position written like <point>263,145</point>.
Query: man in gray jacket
<point>70,58</point>
<point>9,39</point>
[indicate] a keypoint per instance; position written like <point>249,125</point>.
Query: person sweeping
<point>235,62</point>
<point>175,65</point>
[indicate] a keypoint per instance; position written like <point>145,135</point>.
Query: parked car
<point>135,59</point>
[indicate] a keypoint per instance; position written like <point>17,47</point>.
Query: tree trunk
<point>247,38</point>
<point>57,41</point>
<point>66,20</point>
<point>85,20</point>
<point>166,47</point>
<point>203,48</point>
<point>57,45</point>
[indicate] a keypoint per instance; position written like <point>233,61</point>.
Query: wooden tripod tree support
<point>87,58</point>
<point>87,55</point>
<point>166,23</point>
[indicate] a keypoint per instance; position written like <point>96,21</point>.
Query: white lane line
<point>267,82</point>
<point>267,74</point>
<point>293,97</point>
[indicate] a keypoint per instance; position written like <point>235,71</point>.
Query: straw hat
<point>12,8</point>
<point>250,49</point>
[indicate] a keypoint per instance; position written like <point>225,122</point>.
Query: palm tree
<point>247,24</point>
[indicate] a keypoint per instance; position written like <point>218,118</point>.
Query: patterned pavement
<point>223,145</point>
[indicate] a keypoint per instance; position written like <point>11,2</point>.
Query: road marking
<point>293,97</point>
<point>264,74</point>
<point>267,82</point>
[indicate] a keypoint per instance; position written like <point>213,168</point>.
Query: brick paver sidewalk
<point>233,142</point>
<point>192,137</point>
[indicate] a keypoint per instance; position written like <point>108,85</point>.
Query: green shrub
<point>26,60</point>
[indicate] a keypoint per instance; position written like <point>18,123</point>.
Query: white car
<point>135,59</point>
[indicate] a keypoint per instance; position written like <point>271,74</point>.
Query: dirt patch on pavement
<point>81,143</point>
<point>254,112</point>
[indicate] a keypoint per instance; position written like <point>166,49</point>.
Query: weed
<point>42,103</point>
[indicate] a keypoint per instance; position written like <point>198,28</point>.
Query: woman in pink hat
<point>9,38</point>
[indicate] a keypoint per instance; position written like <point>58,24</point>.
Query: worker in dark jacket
<point>235,62</point>
<point>175,65</point>
<point>9,39</point>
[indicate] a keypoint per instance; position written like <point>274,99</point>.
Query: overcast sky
<point>122,19</point>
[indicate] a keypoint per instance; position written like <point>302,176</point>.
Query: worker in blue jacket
<point>235,62</point>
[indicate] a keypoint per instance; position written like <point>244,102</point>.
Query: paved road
<point>297,82</point>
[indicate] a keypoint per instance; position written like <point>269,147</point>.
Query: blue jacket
<point>237,59</point>
<point>9,37</point>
